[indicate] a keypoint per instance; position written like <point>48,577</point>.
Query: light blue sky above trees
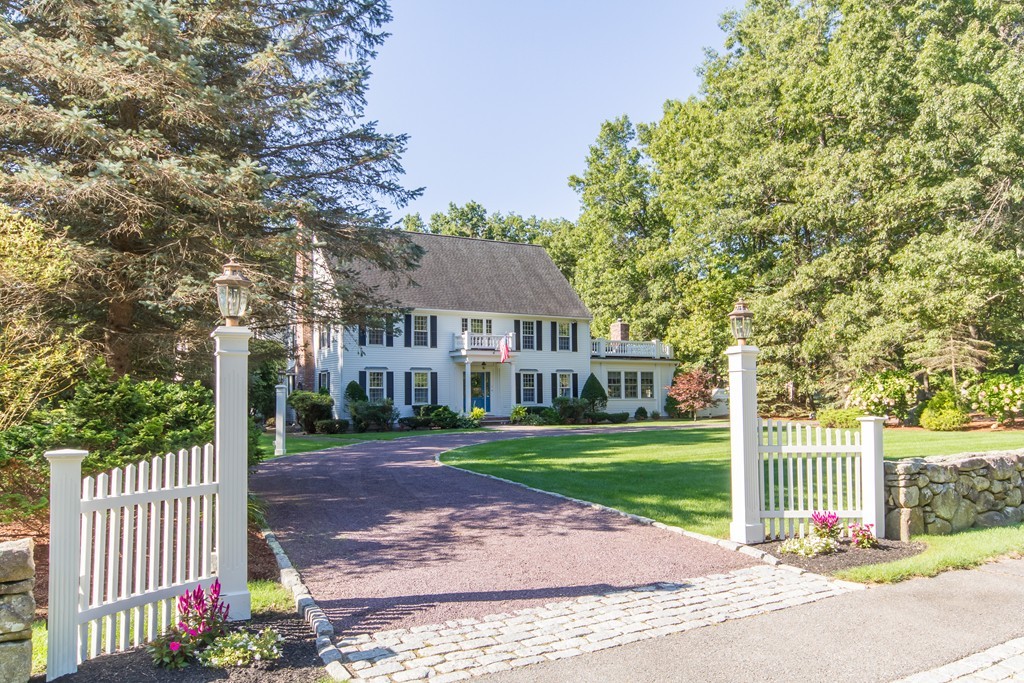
<point>502,100</point>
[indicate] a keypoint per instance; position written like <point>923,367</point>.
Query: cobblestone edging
<point>460,649</point>
<point>1003,662</point>
<point>307,608</point>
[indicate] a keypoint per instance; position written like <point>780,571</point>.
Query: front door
<point>480,390</point>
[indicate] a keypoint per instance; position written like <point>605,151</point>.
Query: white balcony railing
<point>606,348</point>
<point>468,341</point>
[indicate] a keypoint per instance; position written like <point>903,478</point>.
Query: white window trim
<point>370,389</point>
<point>649,386</point>
<point>625,384</point>
<point>522,387</point>
<point>567,390</point>
<point>370,332</point>
<point>425,331</point>
<point>425,388</point>
<point>567,337</point>
<point>532,336</point>
<point>618,374</point>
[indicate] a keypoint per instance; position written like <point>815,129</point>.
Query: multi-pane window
<point>529,390</point>
<point>646,385</point>
<point>479,326</point>
<point>375,385</point>
<point>630,385</point>
<point>564,342</point>
<point>375,335</point>
<point>565,384</point>
<point>324,381</point>
<point>325,337</point>
<point>527,332</point>
<point>420,336</point>
<point>614,385</point>
<point>420,388</point>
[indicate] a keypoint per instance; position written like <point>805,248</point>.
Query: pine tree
<point>168,136</point>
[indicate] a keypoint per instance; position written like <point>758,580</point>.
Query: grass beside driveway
<point>678,477</point>
<point>302,443</point>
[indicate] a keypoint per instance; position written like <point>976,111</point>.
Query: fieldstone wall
<point>944,494</point>
<point>17,577</point>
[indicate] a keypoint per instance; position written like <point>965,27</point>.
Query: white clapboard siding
<point>144,534</point>
<point>805,469</point>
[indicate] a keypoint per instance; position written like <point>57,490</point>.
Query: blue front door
<point>480,390</point>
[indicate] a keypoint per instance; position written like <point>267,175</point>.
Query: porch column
<point>511,387</point>
<point>467,401</point>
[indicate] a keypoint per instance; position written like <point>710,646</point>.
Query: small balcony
<point>469,343</point>
<point>606,348</point>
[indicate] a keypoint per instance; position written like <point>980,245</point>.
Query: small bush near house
<point>618,418</point>
<point>640,414</point>
<point>569,410</point>
<point>518,415</point>
<point>444,418</point>
<point>331,426</point>
<point>473,420</point>
<point>593,396</point>
<point>840,418</point>
<point>310,407</point>
<point>655,415</point>
<point>378,417</point>
<point>354,392</point>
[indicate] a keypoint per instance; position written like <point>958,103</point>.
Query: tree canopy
<point>166,137</point>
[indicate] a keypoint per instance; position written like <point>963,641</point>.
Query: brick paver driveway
<point>386,538</point>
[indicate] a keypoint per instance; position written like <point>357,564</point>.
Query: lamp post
<point>231,439</point>
<point>746,524</point>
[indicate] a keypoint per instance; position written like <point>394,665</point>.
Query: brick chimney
<point>620,331</point>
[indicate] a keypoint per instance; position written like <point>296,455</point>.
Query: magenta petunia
<point>174,645</point>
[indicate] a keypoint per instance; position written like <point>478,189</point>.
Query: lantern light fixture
<point>232,293</point>
<point>741,321</point>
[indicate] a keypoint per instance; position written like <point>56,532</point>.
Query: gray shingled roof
<point>486,276</point>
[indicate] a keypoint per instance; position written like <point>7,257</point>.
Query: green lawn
<point>301,443</point>
<point>678,477</point>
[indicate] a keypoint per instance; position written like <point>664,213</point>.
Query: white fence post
<point>65,545</point>
<point>279,421</point>
<point>231,437</point>
<point>872,472</point>
<point>746,526</point>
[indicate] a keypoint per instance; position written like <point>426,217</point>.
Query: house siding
<point>662,370</point>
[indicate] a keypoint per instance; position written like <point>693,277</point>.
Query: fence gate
<point>803,468</point>
<point>123,546</point>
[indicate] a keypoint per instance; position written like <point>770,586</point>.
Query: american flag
<point>503,349</point>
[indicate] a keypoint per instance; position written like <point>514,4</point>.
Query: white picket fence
<point>805,469</point>
<point>124,545</point>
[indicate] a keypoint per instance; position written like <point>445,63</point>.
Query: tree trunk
<point>117,337</point>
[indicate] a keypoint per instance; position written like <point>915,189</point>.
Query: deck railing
<point>469,341</point>
<point>606,348</point>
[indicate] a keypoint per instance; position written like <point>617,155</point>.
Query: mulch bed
<point>300,663</point>
<point>846,557</point>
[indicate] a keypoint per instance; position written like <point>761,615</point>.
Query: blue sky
<point>503,99</point>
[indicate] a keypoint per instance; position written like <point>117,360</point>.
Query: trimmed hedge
<point>840,418</point>
<point>331,426</point>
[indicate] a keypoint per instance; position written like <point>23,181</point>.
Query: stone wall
<point>944,494</point>
<point>17,577</point>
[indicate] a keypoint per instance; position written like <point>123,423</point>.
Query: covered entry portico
<point>486,382</point>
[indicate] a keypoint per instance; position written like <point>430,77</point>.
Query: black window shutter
<point>554,336</point>
<point>540,387</point>
<point>408,329</point>
<point>362,335</point>
<point>519,388</point>
<point>389,337</point>
<point>390,378</point>
<point>575,385</point>
<point>362,380</point>
<point>540,335</point>
<point>408,388</point>
<point>433,387</point>
<point>554,386</point>
<point>516,328</point>
<point>574,329</point>
<point>433,331</point>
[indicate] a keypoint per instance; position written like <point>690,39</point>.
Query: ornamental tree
<point>593,395</point>
<point>167,136</point>
<point>691,391</point>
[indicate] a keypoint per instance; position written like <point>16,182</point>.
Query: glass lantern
<point>741,320</point>
<point>232,293</point>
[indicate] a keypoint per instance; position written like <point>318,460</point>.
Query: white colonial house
<point>471,302</point>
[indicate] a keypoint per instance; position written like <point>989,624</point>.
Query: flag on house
<point>503,349</point>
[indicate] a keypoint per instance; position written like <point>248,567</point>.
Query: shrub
<point>537,410</point>
<point>840,418</point>
<point>476,416</point>
<point>518,415</point>
<point>242,649</point>
<point>892,392</point>
<point>444,418</point>
<point>331,426</point>
<point>998,396</point>
<point>618,418</point>
<point>310,407</point>
<point>593,396</point>
<point>415,422</point>
<point>690,392</point>
<point>569,410</point>
<point>354,392</point>
<point>426,409</point>
<point>655,415</point>
<point>944,420</point>
<point>640,414</point>
<point>550,416</point>
<point>376,416</point>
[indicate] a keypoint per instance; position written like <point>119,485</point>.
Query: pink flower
<point>174,645</point>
